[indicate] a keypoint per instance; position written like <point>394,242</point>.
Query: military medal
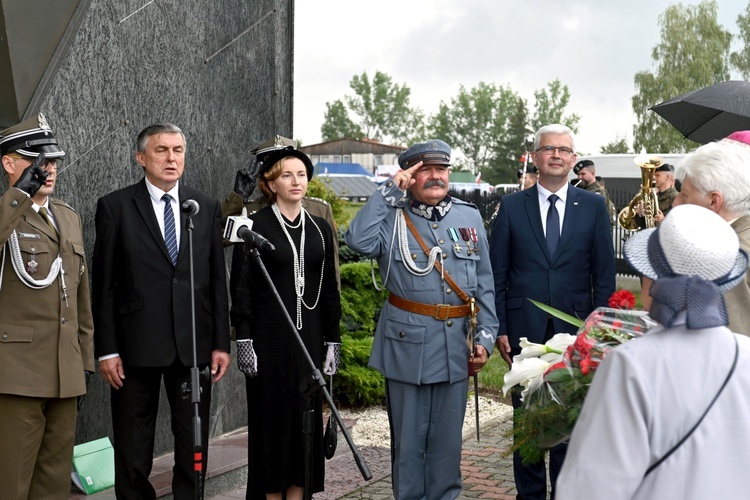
<point>473,236</point>
<point>454,237</point>
<point>32,266</point>
<point>467,238</point>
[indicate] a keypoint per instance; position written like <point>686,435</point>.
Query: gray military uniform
<point>419,354</point>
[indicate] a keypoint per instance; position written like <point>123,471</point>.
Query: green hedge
<point>356,384</point>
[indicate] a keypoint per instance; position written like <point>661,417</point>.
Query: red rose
<point>622,299</point>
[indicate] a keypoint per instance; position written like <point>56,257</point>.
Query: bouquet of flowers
<point>556,375</point>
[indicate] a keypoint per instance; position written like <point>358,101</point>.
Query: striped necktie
<point>170,238</point>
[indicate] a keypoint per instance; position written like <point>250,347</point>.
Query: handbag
<point>330,436</point>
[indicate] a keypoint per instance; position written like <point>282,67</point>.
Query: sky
<point>595,47</point>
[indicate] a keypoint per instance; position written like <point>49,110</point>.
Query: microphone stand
<point>309,387</point>
<point>194,391</point>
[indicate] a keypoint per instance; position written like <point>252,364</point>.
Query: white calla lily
<point>524,372</point>
<point>550,351</point>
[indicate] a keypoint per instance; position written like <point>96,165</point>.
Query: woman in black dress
<point>302,270</point>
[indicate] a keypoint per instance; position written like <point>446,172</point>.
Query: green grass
<point>491,376</point>
<point>352,207</point>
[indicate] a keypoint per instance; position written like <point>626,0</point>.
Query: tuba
<point>645,203</point>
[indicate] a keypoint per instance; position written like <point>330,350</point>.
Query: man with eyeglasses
<point>551,243</point>
<point>46,327</point>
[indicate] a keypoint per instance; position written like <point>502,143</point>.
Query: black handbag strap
<point>721,389</point>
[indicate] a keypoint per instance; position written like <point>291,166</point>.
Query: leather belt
<point>437,311</point>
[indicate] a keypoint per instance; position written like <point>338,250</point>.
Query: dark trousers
<point>531,480</point>
<point>134,409</point>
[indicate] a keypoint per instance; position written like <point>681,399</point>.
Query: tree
<point>693,53</point>
<point>477,122</point>
<point>380,110</point>
<point>550,104</point>
<point>615,147</point>
<point>741,59</point>
<point>337,124</point>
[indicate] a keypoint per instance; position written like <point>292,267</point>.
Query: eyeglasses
<point>49,164</point>
<point>563,151</point>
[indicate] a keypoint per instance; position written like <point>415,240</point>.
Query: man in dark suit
<point>142,309</point>
<point>561,256</point>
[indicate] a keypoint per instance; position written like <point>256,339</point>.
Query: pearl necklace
<point>298,260</point>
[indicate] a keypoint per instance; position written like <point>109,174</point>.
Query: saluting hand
<point>404,179</point>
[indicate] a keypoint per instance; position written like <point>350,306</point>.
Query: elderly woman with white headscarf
<point>667,415</point>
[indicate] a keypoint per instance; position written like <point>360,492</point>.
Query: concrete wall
<point>219,69</point>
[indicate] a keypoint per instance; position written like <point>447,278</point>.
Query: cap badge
<point>43,122</point>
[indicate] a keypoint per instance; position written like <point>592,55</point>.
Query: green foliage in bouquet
<point>356,383</point>
<point>546,423</point>
<point>557,377</point>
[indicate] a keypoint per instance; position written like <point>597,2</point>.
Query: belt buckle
<point>442,311</point>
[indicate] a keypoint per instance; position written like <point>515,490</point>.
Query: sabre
<point>471,342</point>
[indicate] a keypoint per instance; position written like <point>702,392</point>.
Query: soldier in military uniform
<point>244,186</point>
<point>666,192</point>
<point>46,328</point>
<point>532,175</point>
<point>586,172</point>
<point>441,295</point>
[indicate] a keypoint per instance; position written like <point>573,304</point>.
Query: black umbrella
<point>711,113</point>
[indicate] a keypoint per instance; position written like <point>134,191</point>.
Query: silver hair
<point>154,129</point>
<point>554,129</point>
<point>722,166</point>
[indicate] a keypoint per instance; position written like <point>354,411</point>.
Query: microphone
<point>255,239</point>
<point>190,207</point>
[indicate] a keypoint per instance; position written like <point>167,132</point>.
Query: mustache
<point>433,183</point>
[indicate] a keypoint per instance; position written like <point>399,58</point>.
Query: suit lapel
<point>35,220</point>
<point>572,211</point>
<point>146,209</point>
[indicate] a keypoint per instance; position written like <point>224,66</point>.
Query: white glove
<point>331,366</point>
<point>247,361</point>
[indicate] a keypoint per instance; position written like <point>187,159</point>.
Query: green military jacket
<point>598,189</point>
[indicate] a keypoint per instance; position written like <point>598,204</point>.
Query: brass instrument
<point>645,203</point>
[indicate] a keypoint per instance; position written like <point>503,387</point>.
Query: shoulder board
<point>458,201</point>
<point>60,203</point>
<point>314,199</point>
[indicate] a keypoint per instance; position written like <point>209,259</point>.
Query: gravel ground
<point>371,428</point>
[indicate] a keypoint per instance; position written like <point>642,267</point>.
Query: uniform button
<point>389,184</point>
<point>33,249</point>
<point>468,252</point>
<point>13,203</point>
<point>435,226</point>
<point>445,256</point>
<point>174,280</point>
<point>402,335</point>
<point>62,320</point>
<point>5,337</point>
<point>450,323</point>
<point>413,256</point>
<point>449,291</point>
<point>441,241</point>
